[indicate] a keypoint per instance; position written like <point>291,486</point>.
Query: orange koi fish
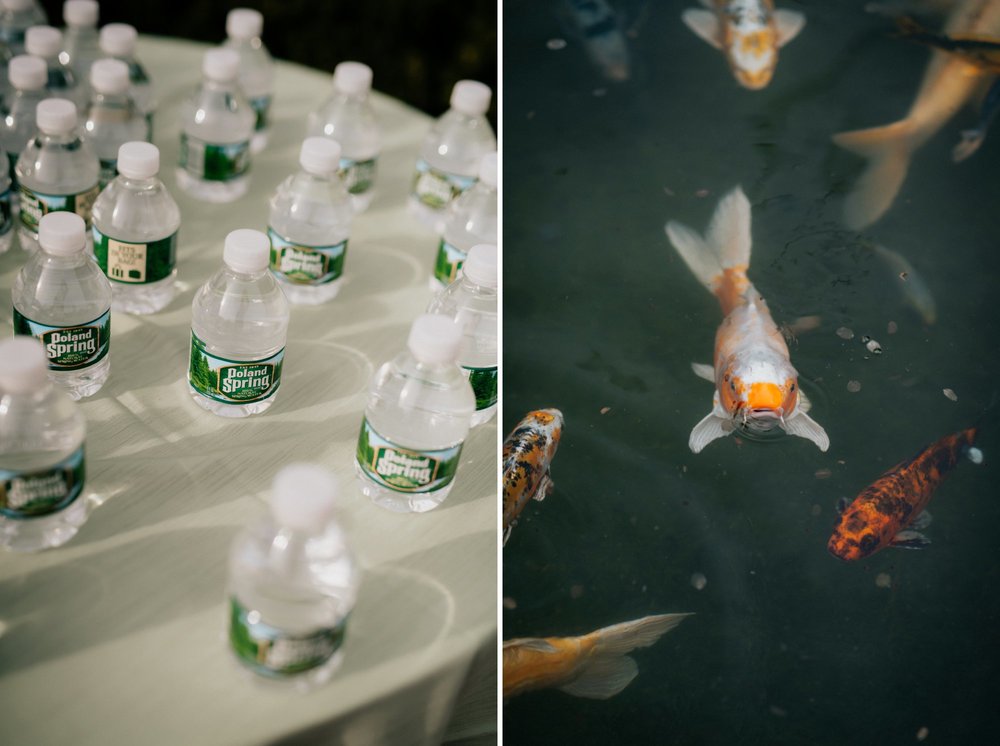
<point>749,33</point>
<point>594,666</point>
<point>890,511</point>
<point>527,457</point>
<point>756,387</point>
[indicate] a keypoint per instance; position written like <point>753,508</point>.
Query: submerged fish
<point>527,459</point>
<point>594,22</point>
<point>948,83</point>
<point>914,289</point>
<point>756,386</point>
<point>749,33</point>
<point>594,666</point>
<point>890,511</point>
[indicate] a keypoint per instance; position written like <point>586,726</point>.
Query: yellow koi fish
<point>756,386</point>
<point>749,33</point>
<point>527,458</point>
<point>594,666</point>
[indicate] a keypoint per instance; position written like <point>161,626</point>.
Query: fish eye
<point>726,378</point>
<point>732,385</point>
<point>792,387</point>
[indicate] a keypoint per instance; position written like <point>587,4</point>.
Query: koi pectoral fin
<point>805,404</point>
<point>910,540</point>
<point>705,24</point>
<point>506,532</point>
<point>603,677</point>
<point>804,426</point>
<point>704,371</point>
<point>545,487</point>
<point>789,23</point>
<point>710,428</point>
<point>922,521</point>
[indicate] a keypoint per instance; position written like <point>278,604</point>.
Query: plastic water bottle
<point>244,27</point>
<point>117,40</point>
<point>472,219</point>
<point>239,324</point>
<point>6,205</point>
<point>472,302</point>
<point>42,468</point>
<point>113,119</point>
<point>293,582</point>
<point>216,127</point>
<point>449,158</point>
<point>135,232</point>
<point>417,416</point>
<point>47,42</point>
<point>56,171</point>
<point>16,17</point>
<point>27,77</point>
<point>347,117</point>
<point>62,298</point>
<point>309,225</point>
<point>80,47</point>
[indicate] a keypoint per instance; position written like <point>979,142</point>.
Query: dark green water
<point>789,645</point>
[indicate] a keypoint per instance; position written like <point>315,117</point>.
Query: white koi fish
<point>596,25</point>
<point>749,33</point>
<point>756,385</point>
<point>948,83</point>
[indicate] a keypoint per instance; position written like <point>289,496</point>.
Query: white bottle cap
<point>435,338</point>
<point>244,23</point>
<point>247,250</point>
<point>320,156</point>
<point>304,496</point>
<point>109,76</point>
<point>138,160</point>
<point>222,65</point>
<point>27,73</point>
<point>471,97</point>
<point>62,233</point>
<point>56,116</point>
<point>352,78</point>
<point>16,4</point>
<point>23,364</point>
<point>43,41</point>
<point>480,265</point>
<point>118,39</point>
<point>80,12</point>
<point>488,169</point>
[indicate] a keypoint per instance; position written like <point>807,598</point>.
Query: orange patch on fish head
<point>765,396</point>
<point>757,43</point>
<point>755,79</point>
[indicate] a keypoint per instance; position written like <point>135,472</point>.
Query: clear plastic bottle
<point>117,40</point>
<point>62,298</point>
<point>27,77</point>
<point>216,127</point>
<point>472,219</point>
<point>472,302</point>
<point>16,17</point>
<point>113,119</point>
<point>239,323</point>
<point>42,468</point>
<point>47,42</point>
<point>243,29</point>
<point>347,117</point>
<point>6,205</point>
<point>293,583</point>
<point>449,158</point>
<point>56,171</point>
<point>135,232</point>
<point>416,420</point>
<point>80,47</point>
<point>309,225</point>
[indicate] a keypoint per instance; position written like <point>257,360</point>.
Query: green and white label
<point>358,176</point>
<point>69,347</point>
<point>436,188</point>
<point>233,381</point>
<point>261,106</point>
<point>306,265</point>
<point>449,261</point>
<point>31,494</point>
<point>211,162</point>
<point>402,469</point>
<point>135,263</point>
<point>484,385</point>
<point>6,218</point>
<point>35,205</point>
<point>274,652</point>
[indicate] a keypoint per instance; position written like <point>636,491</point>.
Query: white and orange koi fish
<point>594,666</point>
<point>756,387</point>
<point>949,82</point>
<point>527,462</point>
<point>749,33</point>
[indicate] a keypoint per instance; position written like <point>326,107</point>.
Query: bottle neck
<point>58,138</point>
<point>219,86</point>
<point>243,275</point>
<point>130,182</point>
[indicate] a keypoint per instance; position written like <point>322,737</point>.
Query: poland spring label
<point>6,218</point>
<point>31,494</point>
<point>233,381</point>
<point>135,263</point>
<point>274,652</point>
<point>210,162</point>
<point>261,106</point>
<point>34,205</point>
<point>484,385</point>
<point>306,265</point>
<point>69,347</point>
<point>358,176</point>
<point>401,469</point>
<point>449,261</point>
<point>437,189</point>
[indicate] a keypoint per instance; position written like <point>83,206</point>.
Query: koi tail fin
<point>608,669</point>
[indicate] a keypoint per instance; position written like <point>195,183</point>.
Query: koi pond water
<point>878,256</point>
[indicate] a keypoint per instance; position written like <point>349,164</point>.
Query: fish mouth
<point>761,423</point>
